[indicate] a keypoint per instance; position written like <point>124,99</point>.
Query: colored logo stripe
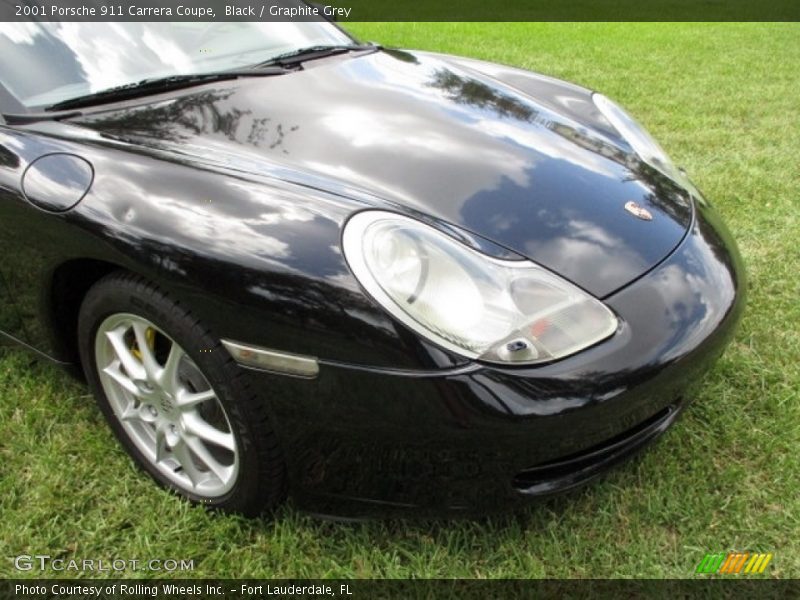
<point>710,563</point>
<point>734,562</point>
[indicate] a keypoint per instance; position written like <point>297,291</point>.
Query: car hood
<point>518,159</point>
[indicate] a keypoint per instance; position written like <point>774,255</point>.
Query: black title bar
<point>366,589</point>
<point>399,10</point>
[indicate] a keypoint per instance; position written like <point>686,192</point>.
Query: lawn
<point>724,101</point>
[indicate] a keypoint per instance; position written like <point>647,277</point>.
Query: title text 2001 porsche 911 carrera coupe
<point>378,280</point>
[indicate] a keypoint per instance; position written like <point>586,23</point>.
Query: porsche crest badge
<point>638,211</point>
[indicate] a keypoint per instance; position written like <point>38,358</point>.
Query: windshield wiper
<point>156,85</point>
<point>312,52</point>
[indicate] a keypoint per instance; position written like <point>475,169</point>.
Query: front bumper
<point>360,441</point>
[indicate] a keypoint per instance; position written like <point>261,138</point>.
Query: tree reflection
<point>8,158</point>
<point>664,193</point>
<point>175,121</point>
<point>179,120</point>
<point>466,90</point>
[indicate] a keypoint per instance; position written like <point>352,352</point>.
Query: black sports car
<point>378,280</point>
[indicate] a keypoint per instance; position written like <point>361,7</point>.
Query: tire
<point>185,412</point>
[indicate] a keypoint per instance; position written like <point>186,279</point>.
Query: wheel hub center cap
<point>166,404</point>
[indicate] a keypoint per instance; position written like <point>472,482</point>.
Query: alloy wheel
<point>166,405</point>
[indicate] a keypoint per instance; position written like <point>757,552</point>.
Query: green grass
<point>723,100</point>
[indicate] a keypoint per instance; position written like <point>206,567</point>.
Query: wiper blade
<point>312,52</point>
<point>156,85</point>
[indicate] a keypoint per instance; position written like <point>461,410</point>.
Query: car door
<point>23,231</point>
<point>11,323</point>
<point>39,173</point>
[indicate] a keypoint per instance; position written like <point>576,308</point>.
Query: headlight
<point>483,308</point>
<point>642,142</point>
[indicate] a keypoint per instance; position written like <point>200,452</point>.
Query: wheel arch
<point>68,286</point>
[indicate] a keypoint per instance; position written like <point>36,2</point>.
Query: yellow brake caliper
<point>150,336</point>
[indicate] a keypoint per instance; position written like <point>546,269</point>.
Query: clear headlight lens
<point>642,142</point>
<point>474,305</point>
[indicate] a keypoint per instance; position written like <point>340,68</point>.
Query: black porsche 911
<point>375,280</point>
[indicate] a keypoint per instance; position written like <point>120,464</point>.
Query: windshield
<point>46,63</point>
